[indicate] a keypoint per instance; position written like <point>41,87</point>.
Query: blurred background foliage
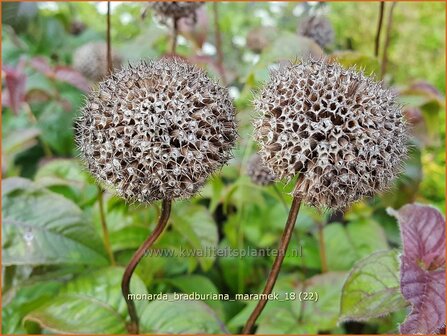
<point>57,276</point>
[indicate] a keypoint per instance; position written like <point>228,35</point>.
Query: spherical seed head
<point>175,9</point>
<point>156,130</point>
<point>317,28</point>
<point>258,172</point>
<point>91,60</point>
<point>341,131</point>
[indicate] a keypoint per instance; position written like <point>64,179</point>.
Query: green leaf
<point>91,303</point>
<point>44,228</point>
<point>346,245</point>
<point>358,60</point>
<point>198,284</point>
<point>372,288</point>
<point>198,230</point>
<point>178,316</point>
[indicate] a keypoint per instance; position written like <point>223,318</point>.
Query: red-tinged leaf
<point>195,31</point>
<point>425,290</point>
<point>15,80</point>
<point>422,267</point>
<point>72,77</point>
<point>42,65</point>
<point>423,234</point>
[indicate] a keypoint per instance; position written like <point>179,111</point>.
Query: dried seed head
<point>258,172</point>
<point>341,131</point>
<point>156,130</point>
<point>175,10</point>
<point>91,60</point>
<point>317,28</point>
<point>259,38</point>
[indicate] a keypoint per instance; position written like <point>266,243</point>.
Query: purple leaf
<point>422,267</point>
<point>15,80</point>
<point>41,65</point>
<point>72,77</point>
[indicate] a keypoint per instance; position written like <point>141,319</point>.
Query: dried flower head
<point>91,60</point>
<point>317,28</point>
<point>258,172</point>
<point>175,10</point>
<point>341,131</point>
<point>156,130</point>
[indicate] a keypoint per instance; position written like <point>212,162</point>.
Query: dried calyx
<point>341,131</point>
<point>156,130</point>
<point>258,172</point>
<point>175,10</point>
<point>317,28</point>
<point>91,60</point>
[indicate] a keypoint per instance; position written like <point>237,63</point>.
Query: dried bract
<point>341,131</point>
<point>156,130</point>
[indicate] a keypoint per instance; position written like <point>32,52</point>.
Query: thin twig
<point>133,326</point>
<point>322,248</point>
<point>379,29</point>
<point>274,272</point>
<point>387,41</point>
<point>109,43</point>
<point>218,40</point>
<point>174,35</point>
<point>105,230</point>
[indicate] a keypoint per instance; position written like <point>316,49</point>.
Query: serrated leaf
<point>44,228</point>
<point>422,267</point>
<point>91,303</point>
<point>180,317</point>
<point>372,288</point>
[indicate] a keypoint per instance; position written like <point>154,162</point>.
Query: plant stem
<point>322,248</point>
<point>109,43</point>
<point>274,272</point>
<point>174,35</point>
<point>218,40</point>
<point>133,326</point>
<point>105,231</point>
<point>387,41</point>
<point>379,29</point>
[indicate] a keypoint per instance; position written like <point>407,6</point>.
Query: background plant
<point>54,265</point>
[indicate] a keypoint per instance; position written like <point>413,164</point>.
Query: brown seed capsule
<point>174,10</point>
<point>341,131</point>
<point>258,172</point>
<point>91,60</point>
<point>317,28</point>
<point>137,133</point>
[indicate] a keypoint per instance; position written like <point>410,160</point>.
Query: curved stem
<point>125,283</point>
<point>387,41</point>
<point>174,35</point>
<point>105,230</point>
<point>379,29</point>
<point>109,43</point>
<point>274,272</point>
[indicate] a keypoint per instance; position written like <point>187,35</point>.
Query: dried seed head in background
<point>166,11</point>
<point>91,60</point>
<point>156,130</point>
<point>317,28</point>
<point>258,172</point>
<point>341,131</point>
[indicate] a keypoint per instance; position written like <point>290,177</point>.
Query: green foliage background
<point>56,273</point>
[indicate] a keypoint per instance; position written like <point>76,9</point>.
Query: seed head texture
<point>258,172</point>
<point>341,131</point>
<point>156,130</point>
<point>91,60</point>
<point>317,28</point>
<point>175,9</point>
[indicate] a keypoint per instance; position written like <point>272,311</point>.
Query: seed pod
<point>258,172</point>
<point>317,28</point>
<point>341,131</point>
<point>175,10</point>
<point>91,60</point>
<point>156,130</point>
